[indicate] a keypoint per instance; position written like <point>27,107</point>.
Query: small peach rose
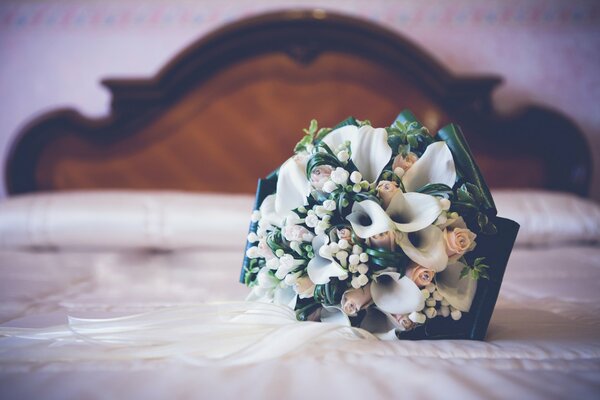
<point>353,300</point>
<point>344,233</point>
<point>320,175</point>
<point>405,162</point>
<point>385,240</point>
<point>405,324</point>
<point>420,275</point>
<point>386,190</point>
<point>458,242</point>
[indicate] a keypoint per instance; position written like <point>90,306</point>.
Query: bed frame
<point>230,108</point>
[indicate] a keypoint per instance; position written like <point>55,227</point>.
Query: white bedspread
<point>543,341</point>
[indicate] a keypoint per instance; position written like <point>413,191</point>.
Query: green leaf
<point>346,122</point>
<point>464,272</point>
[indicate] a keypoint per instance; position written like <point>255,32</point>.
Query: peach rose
<point>320,175</point>
<point>385,240</point>
<point>344,233</point>
<point>420,275</point>
<point>405,162</point>
<point>458,242</point>
<point>405,324</point>
<point>353,300</point>
<point>386,190</point>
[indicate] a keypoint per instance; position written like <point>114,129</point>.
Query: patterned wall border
<point>71,16</point>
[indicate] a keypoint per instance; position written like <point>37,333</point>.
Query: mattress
<point>543,340</point>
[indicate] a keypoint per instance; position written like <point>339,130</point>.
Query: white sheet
<point>543,341</point>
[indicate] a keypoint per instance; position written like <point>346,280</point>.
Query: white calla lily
<point>436,165</point>
<point>426,248</point>
<point>322,267</point>
<point>370,151</point>
<point>340,136</point>
<point>458,292</point>
<point>334,315</point>
<point>293,187</point>
<point>285,296</point>
<point>394,294</point>
<point>368,219</point>
<point>379,324</point>
<point>412,212</point>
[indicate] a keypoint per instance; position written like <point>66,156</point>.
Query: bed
<point>117,216</point>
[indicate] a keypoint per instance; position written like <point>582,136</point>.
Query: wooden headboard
<point>230,108</point>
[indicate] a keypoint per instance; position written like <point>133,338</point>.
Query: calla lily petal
<point>286,296</point>
<point>436,165</point>
<point>321,269</point>
<point>428,250</point>
<point>338,137</point>
<point>292,185</point>
<point>368,219</point>
<point>396,295</point>
<point>412,212</point>
<point>268,213</point>
<point>371,151</point>
<point>379,324</point>
<point>458,292</point>
<point>334,315</point>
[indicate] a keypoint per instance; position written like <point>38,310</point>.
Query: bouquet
<point>379,228</point>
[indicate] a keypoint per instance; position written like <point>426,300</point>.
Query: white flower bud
<point>445,302</point>
<point>438,296</point>
<point>362,280</point>
<point>430,302</point>
<point>311,221</point>
<point>445,203</point>
<point>399,172</point>
<point>329,186</point>
<point>340,176</point>
<point>353,259</point>
<point>253,237</point>
<point>320,211</point>
<point>252,252</point>
<point>279,253</point>
<point>364,257</point>
<point>323,225</point>
<point>334,247</point>
<point>356,188</point>
<point>342,255</point>
<point>302,209</point>
<point>354,282</point>
<point>425,293</point>
<point>273,263</point>
<point>290,279</point>
<point>362,268</point>
<point>343,156</point>
<point>430,287</point>
<point>355,177</point>
<point>352,268</point>
<point>417,317</point>
<point>327,218</point>
<point>319,230</point>
<point>456,315</point>
<point>430,312</point>
<point>356,249</point>
<point>343,243</point>
<point>255,216</point>
<point>329,205</point>
<point>444,311</point>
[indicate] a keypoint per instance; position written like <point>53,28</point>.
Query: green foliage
<point>476,271</point>
<point>330,293</point>
<point>311,135</point>
<point>469,201</point>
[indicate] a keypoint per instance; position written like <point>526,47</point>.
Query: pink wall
<point>54,53</point>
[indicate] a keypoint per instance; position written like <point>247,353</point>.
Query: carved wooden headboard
<point>230,108</point>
